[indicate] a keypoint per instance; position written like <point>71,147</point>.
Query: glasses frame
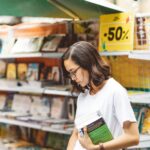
<point>73,73</point>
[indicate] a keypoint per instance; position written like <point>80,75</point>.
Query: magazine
<point>96,127</point>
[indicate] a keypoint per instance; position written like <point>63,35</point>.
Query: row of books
<point>142,113</point>
<point>21,138</point>
<point>32,45</point>
<point>32,40</point>
<point>29,72</point>
<point>36,108</point>
<point>133,74</point>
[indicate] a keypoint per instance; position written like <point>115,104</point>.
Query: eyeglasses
<point>73,73</point>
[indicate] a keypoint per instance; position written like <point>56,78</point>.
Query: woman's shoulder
<point>114,85</point>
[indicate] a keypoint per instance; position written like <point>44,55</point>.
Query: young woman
<point>98,91</point>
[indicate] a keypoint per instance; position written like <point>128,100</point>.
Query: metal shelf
<point>136,54</point>
<point>106,4</point>
<point>142,15</point>
<point>35,126</point>
<point>60,93</point>
<point>31,55</point>
<point>140,54</point>
<point>19,123</point>
<point>114,53</point>
<point>140,98</point>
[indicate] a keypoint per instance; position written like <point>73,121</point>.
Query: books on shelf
<point>51,43</point>
<point>2,68</point>
<point>57,107</point>
<point>20,106</point>
<point>7,44</point>
<point>40,107</point>
<point>11,73</point>
<point>27,45</point>
<point>22,71</point>
<point>2,101</point>
<point>33,72</point>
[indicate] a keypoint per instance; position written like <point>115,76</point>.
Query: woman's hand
<point>85,140</point>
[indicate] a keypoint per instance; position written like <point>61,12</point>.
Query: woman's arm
<point>130,137</point>
<point>72,140</point>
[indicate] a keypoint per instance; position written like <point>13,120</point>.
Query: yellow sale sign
<point>116,32</point>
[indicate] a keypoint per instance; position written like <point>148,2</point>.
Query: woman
<point>91,76</point>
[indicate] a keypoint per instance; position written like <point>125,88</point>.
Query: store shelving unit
<point>144,139</point>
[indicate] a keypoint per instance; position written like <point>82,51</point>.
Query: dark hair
<point>87,57</point>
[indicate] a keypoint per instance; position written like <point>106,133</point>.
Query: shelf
<point>55,130</point>
<point>142,15</point>
<point>11,85</point>
<point>106,4</point>
<point>140,98</point>
<point>140,54</point>
<point>117,53</point>
<point>60,93</point>
<point>144,142</point>
<point>19,123</point>
<point>32,55</point>
<point>136,54</point>
<point>35,126</point>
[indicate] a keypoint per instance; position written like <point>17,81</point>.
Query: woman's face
<point>77,74</point>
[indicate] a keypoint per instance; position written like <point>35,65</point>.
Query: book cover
<point>2,68</point>
<point>96,127</point>
<point>11,71</point>
<point>2,101</point>
<point>33,72</point>
<point>57,107</point>
<point>22,71</point>
<point>27,45</point>
<point>51,43</point>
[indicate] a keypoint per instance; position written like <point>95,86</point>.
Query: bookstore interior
<point>37,105</point>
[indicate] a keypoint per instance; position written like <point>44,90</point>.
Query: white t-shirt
<point>113,103</point>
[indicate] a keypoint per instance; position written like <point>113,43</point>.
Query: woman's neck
<point>94,89</point>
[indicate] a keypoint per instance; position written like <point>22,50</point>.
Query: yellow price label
<point>116,32</point>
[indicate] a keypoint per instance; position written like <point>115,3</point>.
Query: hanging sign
<point>116,32</point>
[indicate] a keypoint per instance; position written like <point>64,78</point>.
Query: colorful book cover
<point>2,68</point>
<point>96,127</point>
<point>33,72</point>
<point>11,71</point>
<point>57,107</point>
<point>51,43</point>
<point>27,45</point>
<point>22,71</point>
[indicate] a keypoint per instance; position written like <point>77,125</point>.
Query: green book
<point>96,128</point>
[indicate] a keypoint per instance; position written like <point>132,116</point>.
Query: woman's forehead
<point>70,65</point>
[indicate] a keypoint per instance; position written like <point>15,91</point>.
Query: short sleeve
<point>122,106</point>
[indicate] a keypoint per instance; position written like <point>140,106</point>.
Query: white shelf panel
<point>142,15</point>
<point>140,54</point>
<point>35,126</point>
<point>140,98</point>
<point>136,54</point>
<point>144,142</point>
<point>106,4</point>
<point>61,93</point>
<point>19,123</point>
<point>23,89</point>
<point>117,53</point>
<point>32,55</point>
<point>57,130</point>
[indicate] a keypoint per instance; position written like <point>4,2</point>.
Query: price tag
<point>116,32</point>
